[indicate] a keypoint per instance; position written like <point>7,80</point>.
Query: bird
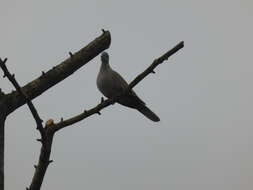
<point>110,83</point>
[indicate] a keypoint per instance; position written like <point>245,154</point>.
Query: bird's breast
<point>105,85</point>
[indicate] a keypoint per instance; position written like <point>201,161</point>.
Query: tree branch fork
<point>50,128</point>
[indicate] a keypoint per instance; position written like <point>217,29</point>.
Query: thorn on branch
<point>103,31</point>
<point>98,112</point>
<point>4,75</point>
<point>61,119</point>
<point>153,71</point>
<point>85,111</point>
<point>102,99</point>
<point>43,73</point>
<point>27,188</point>
<point>71,54</point>
<point>50,161</point>
<point>39,140</point>
<point>35,166</point>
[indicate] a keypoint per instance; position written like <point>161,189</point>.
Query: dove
<point>110,83</point>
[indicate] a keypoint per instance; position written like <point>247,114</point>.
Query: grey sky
<point>202,94</point>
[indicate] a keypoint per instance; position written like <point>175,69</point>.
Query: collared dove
<point>110,84</point>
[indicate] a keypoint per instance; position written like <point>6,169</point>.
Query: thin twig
<point>155,63</point>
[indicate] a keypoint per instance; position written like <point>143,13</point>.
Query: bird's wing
<point>120,85</point>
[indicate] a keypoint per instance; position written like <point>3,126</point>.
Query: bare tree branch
<point>105,103</point>
<point>33,110</point>
<point>59,72</point>
<point>50,127</point>
<point>2,135</point>
<point>23,95</point>
<point>44,159</point>
<point>2,121</point>
<point>155,63</point>
<point>46,136</point>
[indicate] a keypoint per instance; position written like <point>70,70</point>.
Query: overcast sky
<point>203,94</point>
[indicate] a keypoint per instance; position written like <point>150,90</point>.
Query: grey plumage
<point>110,83</point>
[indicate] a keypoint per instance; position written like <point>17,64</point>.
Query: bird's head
<point>105,57</point>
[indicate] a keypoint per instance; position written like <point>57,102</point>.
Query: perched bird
<point>110,84</point>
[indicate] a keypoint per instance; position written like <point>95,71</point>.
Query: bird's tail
<point>148,113</point>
